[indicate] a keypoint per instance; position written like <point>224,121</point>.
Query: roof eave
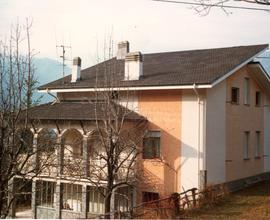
<point>200,86</point>
<point>153,87</point>
<point>238,67</point>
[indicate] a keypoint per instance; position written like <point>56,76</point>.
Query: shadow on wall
<point>163,174</point>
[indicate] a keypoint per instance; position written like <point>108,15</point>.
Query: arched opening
<point>95,147</point>
<point>72,149</point>
<point>22,163</point>
<point>72,142</point>
<point>97,155</point>
<point>23,151</point>
<point>46,141</point>
<point>24,141</point>
<point>46,146</point>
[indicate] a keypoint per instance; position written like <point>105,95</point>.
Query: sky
<point>149,26</point>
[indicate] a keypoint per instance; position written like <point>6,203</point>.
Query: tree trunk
<point>108,206</point>
<point>1,178</point>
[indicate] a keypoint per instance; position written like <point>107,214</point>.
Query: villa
<point>208,122</point>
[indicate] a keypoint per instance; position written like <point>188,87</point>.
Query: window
<point>258,99</point>
<point>96,201</point>
<point>246,144</point>
<point>149,196</point>
<point>151,145</point>
<point>258,144</point>
<point>45,193</point>
<point>235,95</point>
<point>123,199</point>
<point>246,91</point>
<point>71,197</point>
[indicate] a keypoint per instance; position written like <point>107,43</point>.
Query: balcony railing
<point>49,164</point>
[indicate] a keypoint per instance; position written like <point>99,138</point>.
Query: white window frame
<point>96,201</point>
<point>246,145</point>
<point>45,198</point>
<point>237,91</point>
<point>258,99</point>
<point>156,137</point>
<point>69,200</point>
<point>258,144</point>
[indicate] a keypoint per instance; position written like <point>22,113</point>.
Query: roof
<point>166,69</point>
<point>82,111</point>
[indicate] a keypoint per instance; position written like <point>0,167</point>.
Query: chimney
<point>133,66</point>
<point>123,50</point>
<point>76,69</point>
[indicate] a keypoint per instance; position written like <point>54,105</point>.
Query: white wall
<point>130,101</point>
<point>266,136</point>
<point>216,133</point>
<point>133,70</point>
<point>193,122</point>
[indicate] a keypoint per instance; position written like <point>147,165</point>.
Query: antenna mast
<point>63,56</point>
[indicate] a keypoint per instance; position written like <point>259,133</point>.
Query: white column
<point>33,199</point>
<point>59,170</point>
<point>11,196</point>
<point>85,155</point>
<point>84,201</point>
<point>35,153</point>
<point>35,167</point>
<point>134,196</point>
<point>57,200</point>
<point>112,208</point>
<point>59,155</point>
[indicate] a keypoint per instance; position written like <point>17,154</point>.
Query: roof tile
<point>165,69</point>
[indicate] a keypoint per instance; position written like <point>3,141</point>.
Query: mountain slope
<point>47,70</point>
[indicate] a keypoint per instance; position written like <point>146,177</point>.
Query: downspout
<point>199,129</point>
<point>56,100</point>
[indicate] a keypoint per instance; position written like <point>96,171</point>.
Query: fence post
<point>176,203</point>
<point>131,213</point>
<point>193,191</point>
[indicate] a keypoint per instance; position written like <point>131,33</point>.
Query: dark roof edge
<point>225,76</point>
<point>216,48</point>
<point>261,66</point>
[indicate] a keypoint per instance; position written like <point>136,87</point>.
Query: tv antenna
<point>63,56</point>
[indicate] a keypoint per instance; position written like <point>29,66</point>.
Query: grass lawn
<point>250,203</point>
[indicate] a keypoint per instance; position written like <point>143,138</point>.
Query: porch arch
<point>72,142</point>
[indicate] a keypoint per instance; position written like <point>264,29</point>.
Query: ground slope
<point>250,203</point>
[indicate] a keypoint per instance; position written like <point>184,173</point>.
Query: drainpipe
<point>199,131</point>
<point>56,100</point>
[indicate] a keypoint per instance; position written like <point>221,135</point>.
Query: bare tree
<point>115,144</point>
<point>260,2</point>
<point>17,83</point>
<point>116,147</point>
<point>203,7</point>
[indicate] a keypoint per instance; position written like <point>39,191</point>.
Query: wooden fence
<point>172,206</point>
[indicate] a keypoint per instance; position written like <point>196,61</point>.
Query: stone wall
<point>45,213</point>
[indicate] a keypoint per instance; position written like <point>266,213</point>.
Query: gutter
<point>204,86</point>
